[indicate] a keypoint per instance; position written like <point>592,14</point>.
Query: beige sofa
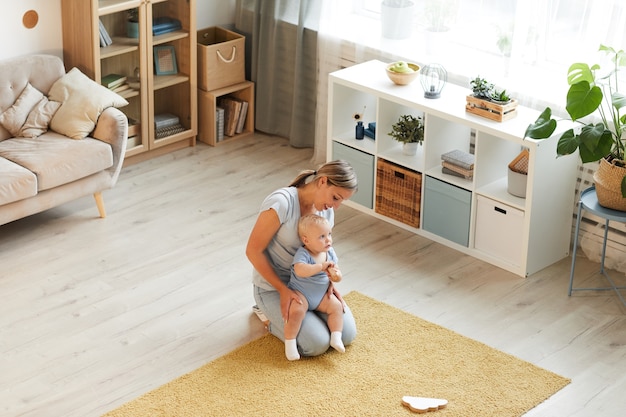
<point>49,169</point>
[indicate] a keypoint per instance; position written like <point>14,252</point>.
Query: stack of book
<point>164,24</point>
<point>105,39</point>
<point>166,124</point>
<point>235,113</point>
<point>458,163</point>
<point>115,82</point>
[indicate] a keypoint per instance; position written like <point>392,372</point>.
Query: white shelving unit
<point>520,235</point>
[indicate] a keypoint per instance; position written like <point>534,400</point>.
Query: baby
<point>314,265</point>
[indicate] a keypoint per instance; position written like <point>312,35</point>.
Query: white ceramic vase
<point>409,149</point>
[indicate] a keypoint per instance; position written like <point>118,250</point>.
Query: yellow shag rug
<point>395,354</point>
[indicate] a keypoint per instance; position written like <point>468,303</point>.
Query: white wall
<point>47,37</point>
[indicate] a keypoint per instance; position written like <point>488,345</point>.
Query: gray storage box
<point>446,210</point>
<point>363,164</point>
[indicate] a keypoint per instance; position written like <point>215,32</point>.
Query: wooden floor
<point>95,312</point>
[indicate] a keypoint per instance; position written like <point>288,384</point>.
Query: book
<point>161,25</point>
<point>459,158</point>
<point>232,108</point>
<point>113,80</point>
<point>219,124</point>
<point>467,173</point>
<point>169,131</point>
<point>105,39</point>
<point>121,88</point>
<point>456,174</point>
<point>165,120</point>
<point>242,117</point>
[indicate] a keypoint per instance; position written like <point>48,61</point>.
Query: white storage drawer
<point>499,230</point>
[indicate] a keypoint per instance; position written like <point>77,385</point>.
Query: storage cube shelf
<point>522,235</point>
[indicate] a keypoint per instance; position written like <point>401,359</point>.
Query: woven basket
<point>608,180</point>
<point>398,193</point>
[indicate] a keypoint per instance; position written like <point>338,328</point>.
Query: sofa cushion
<point>30,115</point>
<point>14,117</point>
<point>82,102</point>
<point>56,159</point>
<point>16,182</point>
<point>38,119</point>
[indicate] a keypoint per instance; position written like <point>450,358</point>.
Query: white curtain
<point>282,38</point>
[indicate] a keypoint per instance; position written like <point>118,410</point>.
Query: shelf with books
<point>131,54</point>
<point>241,123</point>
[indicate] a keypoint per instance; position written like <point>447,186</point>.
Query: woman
<point>274,241</point>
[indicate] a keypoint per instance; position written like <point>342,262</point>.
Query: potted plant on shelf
<point>408,130</point>
<point>132,23</point>
<point>488,101</point>
<point>594,93</point>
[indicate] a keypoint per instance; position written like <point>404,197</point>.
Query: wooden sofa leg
<point>100,204</point>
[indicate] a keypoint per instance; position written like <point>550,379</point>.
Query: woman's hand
<point>287,296</point>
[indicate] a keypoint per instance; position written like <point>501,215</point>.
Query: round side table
<point>589,202</point>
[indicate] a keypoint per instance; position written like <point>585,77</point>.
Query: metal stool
<point>589,202</point>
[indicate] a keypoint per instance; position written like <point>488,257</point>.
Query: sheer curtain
<point>283,64</point>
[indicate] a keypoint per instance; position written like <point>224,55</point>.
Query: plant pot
<point>132,29</point>
<point>397,22</point>
<point>409,149</point>
<point>608,180</point>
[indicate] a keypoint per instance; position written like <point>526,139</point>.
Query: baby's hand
<point>334,274</point>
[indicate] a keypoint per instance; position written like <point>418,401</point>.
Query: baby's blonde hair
<point>308,220</point>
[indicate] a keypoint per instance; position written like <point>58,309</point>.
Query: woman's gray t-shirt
<point>286,241</point>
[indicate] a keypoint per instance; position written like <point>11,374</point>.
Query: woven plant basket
<point>608,179</point>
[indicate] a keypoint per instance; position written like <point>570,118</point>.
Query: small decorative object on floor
<point>433,78</point>
<point>422,404</point>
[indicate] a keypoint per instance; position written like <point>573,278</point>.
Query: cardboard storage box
<point>499,230</point>
<point>221,58</point>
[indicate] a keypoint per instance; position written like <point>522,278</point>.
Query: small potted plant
<point>408,130</point>
<point>488,101</point>
<point>132,23</point>
<point>481,88</point>
<point>594,92</point>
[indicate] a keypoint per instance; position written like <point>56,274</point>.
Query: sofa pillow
<point>38,119</point>
<point>14,117</point>
<point>82,102</point>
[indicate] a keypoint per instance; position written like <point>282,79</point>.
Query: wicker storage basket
<point>398,193</point>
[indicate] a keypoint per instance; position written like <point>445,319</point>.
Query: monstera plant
<point>594,92</point>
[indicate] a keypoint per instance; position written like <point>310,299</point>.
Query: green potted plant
<point>132,23</point>
<point>594,93</point>
<point>481,88</point>
<point>408,130</point>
